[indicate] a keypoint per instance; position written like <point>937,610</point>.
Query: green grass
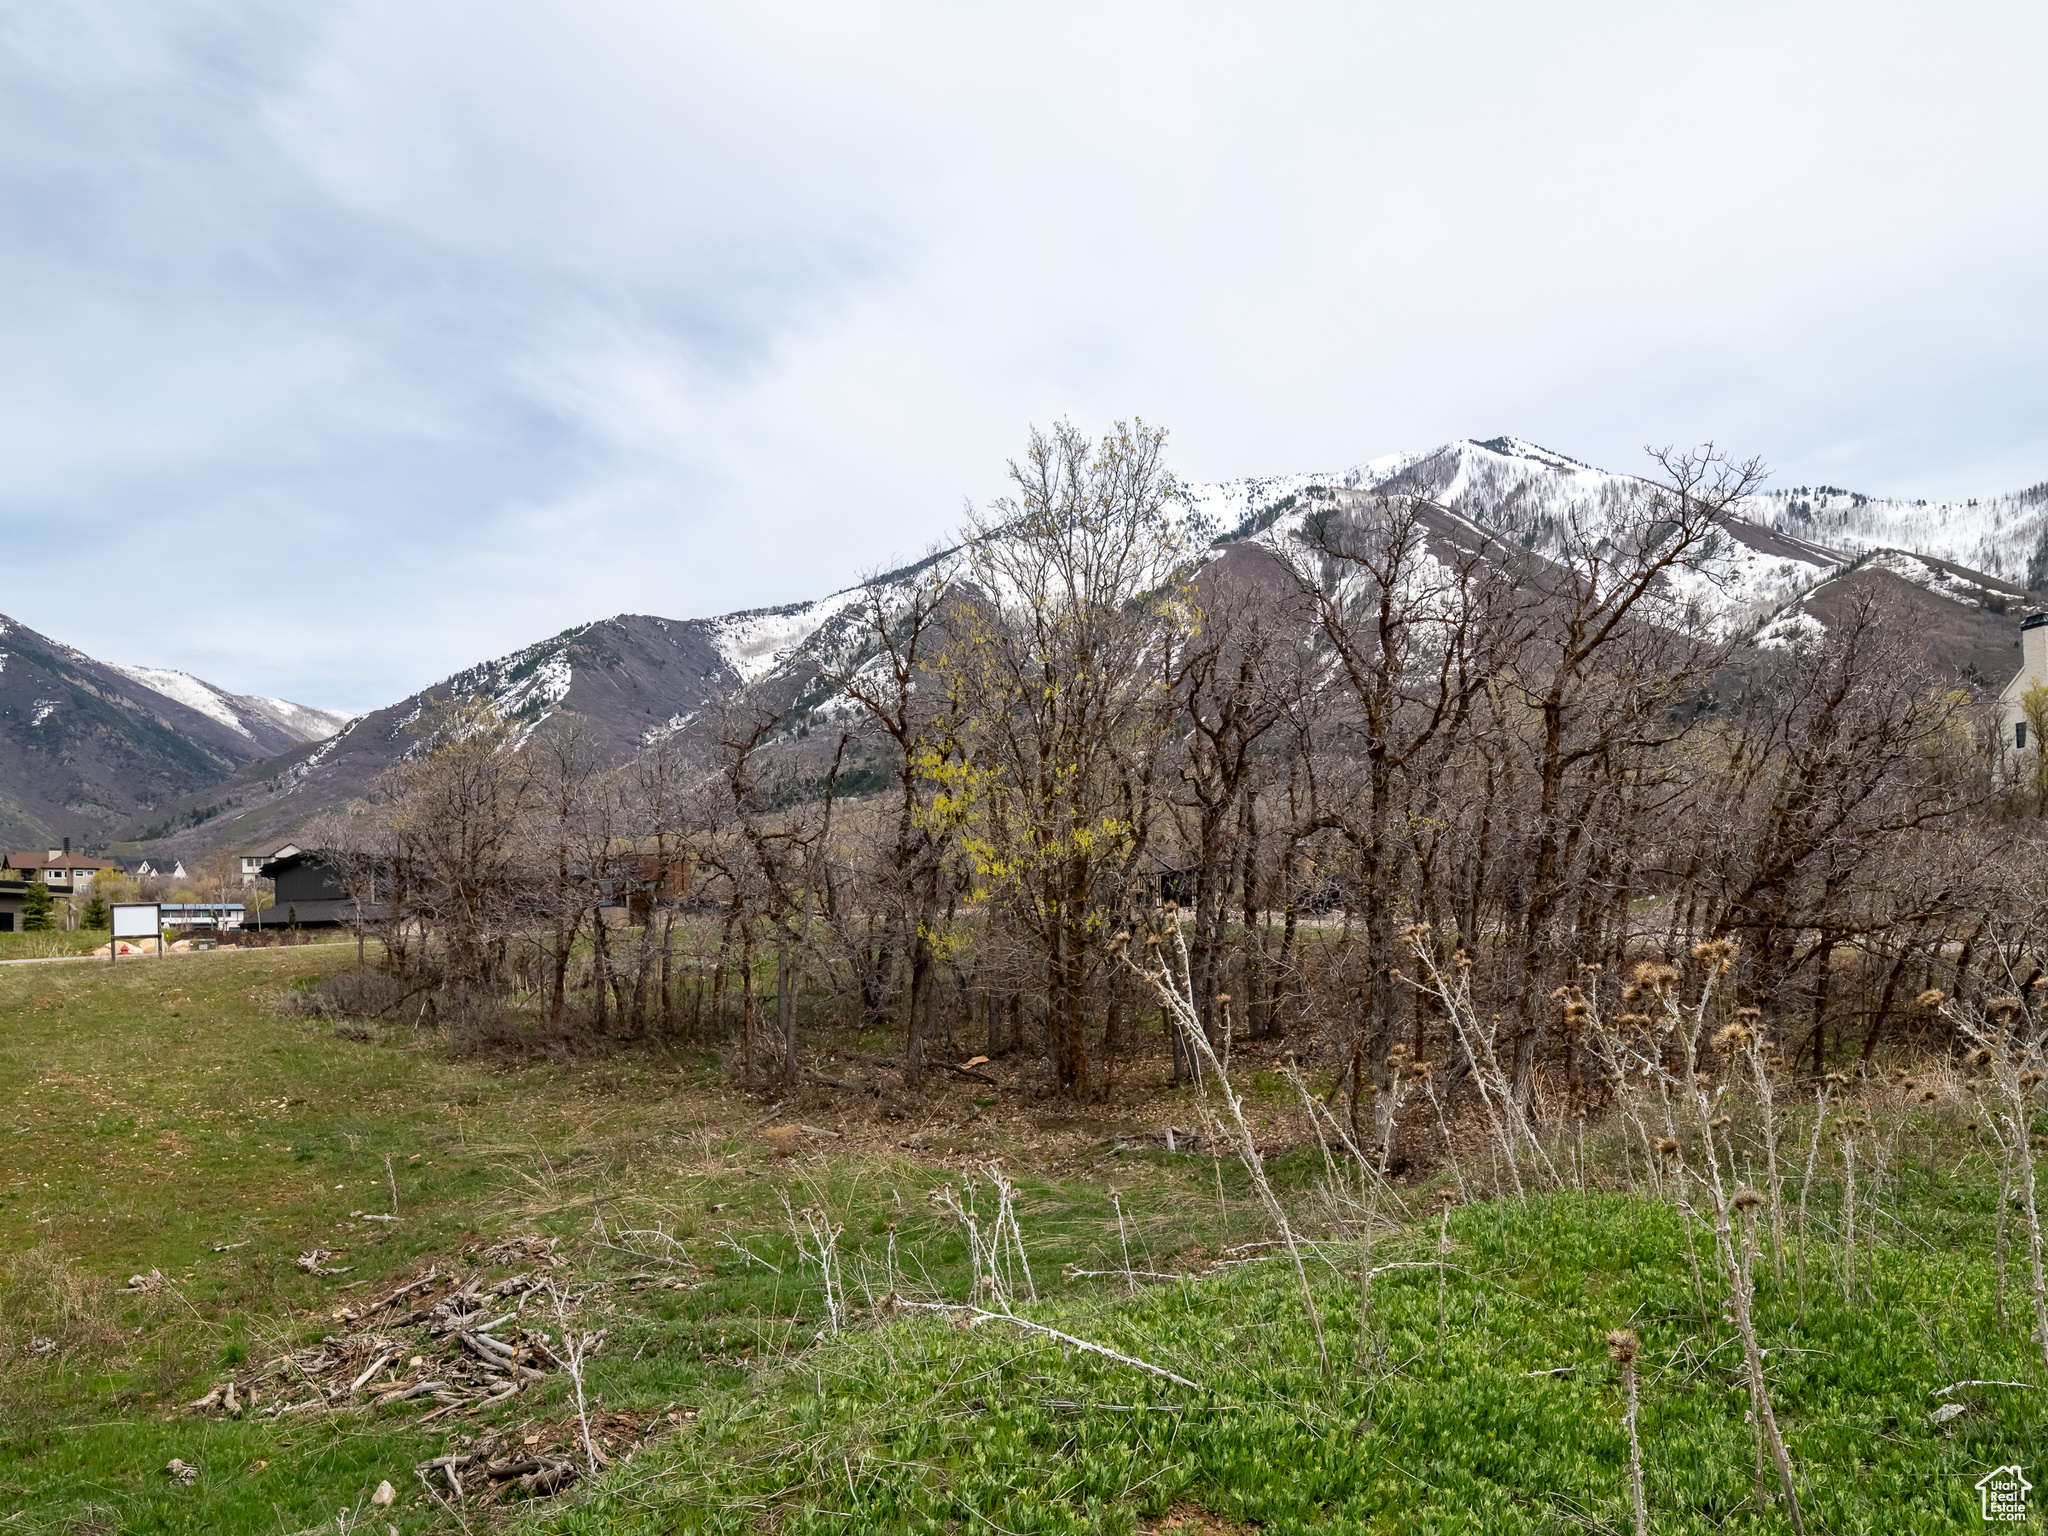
<point>160,1112</point>
<point>1499,1412</point>
<point>51,943</point>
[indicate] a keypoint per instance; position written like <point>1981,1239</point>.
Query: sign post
<point>132,920</point>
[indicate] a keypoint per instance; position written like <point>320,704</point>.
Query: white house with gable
<point>2019,734</point>
<point>252,863</point>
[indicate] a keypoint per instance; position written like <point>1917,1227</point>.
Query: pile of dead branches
<point>460,1345</point>
<point>546,1461</point>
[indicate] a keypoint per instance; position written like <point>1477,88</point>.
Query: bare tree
<point>1413,603</point>
<point>785,833</point>
<point>1613,645</point>
<point>893,682</point>
<point>454,813</point>
<point>1230,669</point>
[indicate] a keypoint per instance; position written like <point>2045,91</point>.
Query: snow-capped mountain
<point>2001,536</point>
<point>252,716</point>
<point>634,680</point>
<point>86,747</point>
<point>1527,496</point>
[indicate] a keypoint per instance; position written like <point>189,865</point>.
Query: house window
<point>2019,736</point>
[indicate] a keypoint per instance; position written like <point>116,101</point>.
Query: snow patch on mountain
<point>540,690</point>
<point>183,688</point>
<point>755,643</point>
<point>1929,576</point>
<point>1999,535</point>
<point>1233,506</point>
<point>302,720</point>
<point>300,771</point>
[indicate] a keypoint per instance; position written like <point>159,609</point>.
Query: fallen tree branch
<point>870,1059</point>
<point>980,1316</point>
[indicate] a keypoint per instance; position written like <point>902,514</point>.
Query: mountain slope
<point>634,680</point>
<point>631,680</point>
<point>86,747</point>
<point>267,725</point>
<point>2003,536</point>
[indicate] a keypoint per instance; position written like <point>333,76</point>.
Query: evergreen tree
<point>95,914</point>
<point>36,908</point>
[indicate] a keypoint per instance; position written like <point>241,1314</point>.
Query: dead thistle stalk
<point>1820,1115</point>
<point>1177,992</point>
<point>2016,1067</point>
<point>1717,957</point>
<point>1622,1344</point>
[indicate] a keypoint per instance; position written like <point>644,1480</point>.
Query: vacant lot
<point>178,1121</point>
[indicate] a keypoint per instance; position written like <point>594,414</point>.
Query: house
<point>67,874</point>
<point>646,881</point>
<point>59,868</point>
<point>311,894</point>
<point>208,915</point>
<point>252,863</point>
<point>162,867</point>
<point>2021,734</point>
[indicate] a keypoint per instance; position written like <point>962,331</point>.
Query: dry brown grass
<point>55,1314</point>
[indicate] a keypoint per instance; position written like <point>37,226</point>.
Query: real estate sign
<point>136,920</point>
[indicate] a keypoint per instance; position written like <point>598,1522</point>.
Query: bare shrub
<point>361,992</point>
<point>483,1025</point>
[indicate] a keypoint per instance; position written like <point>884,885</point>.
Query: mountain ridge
<point>638,678</point>
<point>87,747</point>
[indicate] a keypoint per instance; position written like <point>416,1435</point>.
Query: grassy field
<point>177,1117</point>
<point>52,943</point>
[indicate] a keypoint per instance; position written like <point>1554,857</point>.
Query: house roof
<point>39,858</point>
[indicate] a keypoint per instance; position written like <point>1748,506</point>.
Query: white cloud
<point>431,329</point>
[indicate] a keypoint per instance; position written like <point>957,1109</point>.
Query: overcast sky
<point>345,344</point>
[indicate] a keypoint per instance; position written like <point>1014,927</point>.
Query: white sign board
<point>138,920</point>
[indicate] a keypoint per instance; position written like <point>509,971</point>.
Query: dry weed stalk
<point>1177,992</point>
<point>1660,984</point>
<point>2001,1222</point>
<point>1820,1115</point>
<point>1123,1240</point>
<point>2008,1049</point>
<point>990,1253</point>
<point>1848,1127</point>
<point>1372,1178</point>
<point>1633,1065</point>
<point>1746,1035</point>
<point>1622,1344</point>
<point>1505,1114</point>
<point>1450,1148</point>
<point>823,1250</point>
<point>575,1346</point>
<point>976,1316</point>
